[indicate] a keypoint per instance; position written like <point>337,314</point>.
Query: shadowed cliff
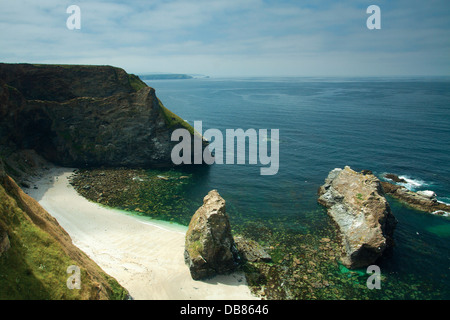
<point>82,116</point>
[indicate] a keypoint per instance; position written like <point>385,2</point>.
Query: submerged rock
<point>209,246</point>
<point>251,251</point>
<point>394,178</point>
<point>356,203</point>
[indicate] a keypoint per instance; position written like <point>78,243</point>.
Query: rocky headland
<point>424,200</point>
<point>356,203</point>
<point>84,116</point>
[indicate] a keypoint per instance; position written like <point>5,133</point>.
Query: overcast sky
<point>233,37</point>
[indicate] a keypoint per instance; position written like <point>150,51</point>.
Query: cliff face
<point>73,116</point>
<point>84,116</point>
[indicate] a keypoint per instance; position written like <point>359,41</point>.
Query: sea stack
<point>210,248</point>
<point>356,203</point>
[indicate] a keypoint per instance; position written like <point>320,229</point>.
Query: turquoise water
<point>385,125</point>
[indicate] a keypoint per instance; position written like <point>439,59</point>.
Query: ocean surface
<point>386,125</point>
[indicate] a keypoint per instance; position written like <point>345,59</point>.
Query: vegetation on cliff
<point>34,265</point>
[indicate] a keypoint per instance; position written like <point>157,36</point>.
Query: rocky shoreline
<point>278,264</point>
<point>153,193</point>
<point>421,200</point>
<point>302,266</point>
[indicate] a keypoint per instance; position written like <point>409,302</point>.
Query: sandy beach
<point>145,256</point>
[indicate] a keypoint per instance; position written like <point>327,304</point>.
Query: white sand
<point>146,257</point>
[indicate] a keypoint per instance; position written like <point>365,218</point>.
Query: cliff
<point>73,116</point>
<point>80,116</point>
<point>35,252</point>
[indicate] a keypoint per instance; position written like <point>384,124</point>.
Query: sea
<point>398,125</point>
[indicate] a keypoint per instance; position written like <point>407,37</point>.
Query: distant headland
<point>170,76</point>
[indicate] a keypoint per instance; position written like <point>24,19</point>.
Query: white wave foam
<point>444,202</point>
<point>427,193</point>
<point>441,213</point>
<point>412,184</point>
<point>445,199</point>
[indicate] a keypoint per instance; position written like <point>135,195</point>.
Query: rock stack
<point>210,248</point>
<point>356,203</point>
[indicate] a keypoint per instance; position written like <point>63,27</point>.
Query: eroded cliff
<point>82,116</point>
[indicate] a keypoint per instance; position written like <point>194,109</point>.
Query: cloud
<point>233,37</point>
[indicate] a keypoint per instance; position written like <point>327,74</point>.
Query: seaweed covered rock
<point>251,251</point>
<point>209,247</point>
<point>356,203</point>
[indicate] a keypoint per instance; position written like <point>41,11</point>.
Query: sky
<point>233,37</point>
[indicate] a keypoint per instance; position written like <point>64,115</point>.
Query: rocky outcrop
<point>210,248</point>
<point>356,203</point>
<point>82,116</point>
<point>421,200</point>
<point>394,178</point>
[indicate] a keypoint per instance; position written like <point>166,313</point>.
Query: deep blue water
<point>387,125</point>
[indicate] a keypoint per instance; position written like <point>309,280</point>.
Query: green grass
<point>136,83</point>
<point>35,266</point>
<point>196,247</point>
<point>174,121</point>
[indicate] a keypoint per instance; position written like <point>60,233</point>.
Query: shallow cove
<point>385,125</point>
